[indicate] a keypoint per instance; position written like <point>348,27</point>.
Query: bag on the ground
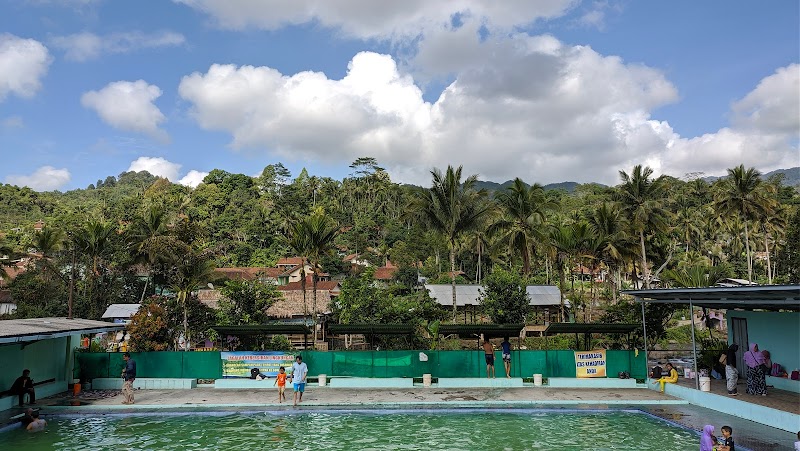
<point>795,375</point>
<point>776,370</point>
<point>624,375</point>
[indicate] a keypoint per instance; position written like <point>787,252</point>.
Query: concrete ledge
<point>783,383</point>
<point>569,382</point>
<point>145,383</point>
<point>786,421</point>
<point>477,382</point>
<point>363,382</point>
<point>247,383</point>
<point>42,391</point>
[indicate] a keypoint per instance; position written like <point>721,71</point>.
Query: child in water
<point>727,442</point>
<point>280,381</point>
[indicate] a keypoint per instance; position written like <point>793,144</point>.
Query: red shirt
<point>281,379</point>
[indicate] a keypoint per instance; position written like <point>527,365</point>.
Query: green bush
<point>280,343</point>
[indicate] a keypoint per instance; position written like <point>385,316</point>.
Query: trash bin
<point>537,380</point>
<point>705,383</point>
<point>322,379</point>
<point>426,380</point>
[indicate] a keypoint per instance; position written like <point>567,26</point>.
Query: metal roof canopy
<point>488,330</point>
<point>371,329</point>
<point>35,329</point>
<point>590,328</point>
<point>760,297</point>
<point>263,329</point>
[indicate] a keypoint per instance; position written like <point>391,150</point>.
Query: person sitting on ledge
<point>22,386</point>
<point>671,377</point>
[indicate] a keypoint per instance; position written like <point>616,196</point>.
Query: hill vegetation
<point>135,235</point>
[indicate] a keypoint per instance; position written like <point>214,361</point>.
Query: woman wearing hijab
<point>756,382</point>
<point>708,440</point>
<point>731,374</point>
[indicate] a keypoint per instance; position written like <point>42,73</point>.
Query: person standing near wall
<point>299,375</point>
<point>128,376</point>
<point>488,351</point>
<point>506,346</point>
<point>756,371</point>
<point>731,373</point>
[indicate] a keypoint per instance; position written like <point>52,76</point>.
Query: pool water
<point>364,430</point>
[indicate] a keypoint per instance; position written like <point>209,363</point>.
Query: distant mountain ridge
<point>791,178</point>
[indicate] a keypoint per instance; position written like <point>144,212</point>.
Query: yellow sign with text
<point>590,363</point>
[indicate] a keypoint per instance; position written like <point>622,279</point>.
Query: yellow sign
<point>590,363</point>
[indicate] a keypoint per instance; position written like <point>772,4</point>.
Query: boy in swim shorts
<point>299,373</point>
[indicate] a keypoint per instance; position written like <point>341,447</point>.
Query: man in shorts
<point>506,346</point>
<point>299,374</point>
<point>488,350</point>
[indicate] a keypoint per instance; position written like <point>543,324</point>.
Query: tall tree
<point>641,200</point>
<point>523,214</point>
<point>741,197</point>
<point>321,231</point>
<point>452,208</point>
<point>151,241</point>
<point>94,241</point>
<point>191,270</point>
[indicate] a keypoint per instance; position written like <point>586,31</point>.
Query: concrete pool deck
<point>748,433</point>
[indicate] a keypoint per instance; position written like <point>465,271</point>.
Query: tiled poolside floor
<point>777,399</point>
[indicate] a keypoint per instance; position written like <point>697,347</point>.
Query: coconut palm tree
<point>522,217</point>
<point>151,241</point>
<point>298,240</point>
<point>94,241</point>
<point>321,231</point>
<point>614,244</point>
<point>451,207</point>
<point>742,197</point>
<point>191,271</point>
<point>641,200</point>
<point>46,242</point>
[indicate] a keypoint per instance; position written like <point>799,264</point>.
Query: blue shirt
<point>506,347</point>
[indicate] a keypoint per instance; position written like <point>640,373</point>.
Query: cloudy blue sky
<point>547,90</point>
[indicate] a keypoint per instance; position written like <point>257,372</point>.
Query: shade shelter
<point>265,329</point>
<point>587,329</point>
<point>45,346</point>
<point>771,298</point>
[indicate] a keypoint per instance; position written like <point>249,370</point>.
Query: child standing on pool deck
<point>280,381</point>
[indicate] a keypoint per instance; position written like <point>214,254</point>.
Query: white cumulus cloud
<point>128,105</point>
<point>23,64</point>
<point>86,46</point>
<point>774,106</point>
<point>527,106</point>
<point>157,166</point>
<point>46,178</point>
<point>193,178</point>
<point>376,19</point>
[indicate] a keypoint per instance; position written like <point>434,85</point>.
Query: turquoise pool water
<point>366,430</point>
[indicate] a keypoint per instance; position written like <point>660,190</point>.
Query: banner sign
<point>239,364</point>
<point>590,363</point>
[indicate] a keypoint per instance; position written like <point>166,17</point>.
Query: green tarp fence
<point>374,364</point>
<point>162,364</point>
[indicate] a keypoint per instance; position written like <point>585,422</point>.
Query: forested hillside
<point>642,231</point>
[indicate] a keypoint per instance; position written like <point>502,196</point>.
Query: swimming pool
<point>361,430</point>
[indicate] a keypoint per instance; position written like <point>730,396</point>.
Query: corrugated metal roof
<point>121,310</point>
<point>32,329</point>
<point>539,295</point>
